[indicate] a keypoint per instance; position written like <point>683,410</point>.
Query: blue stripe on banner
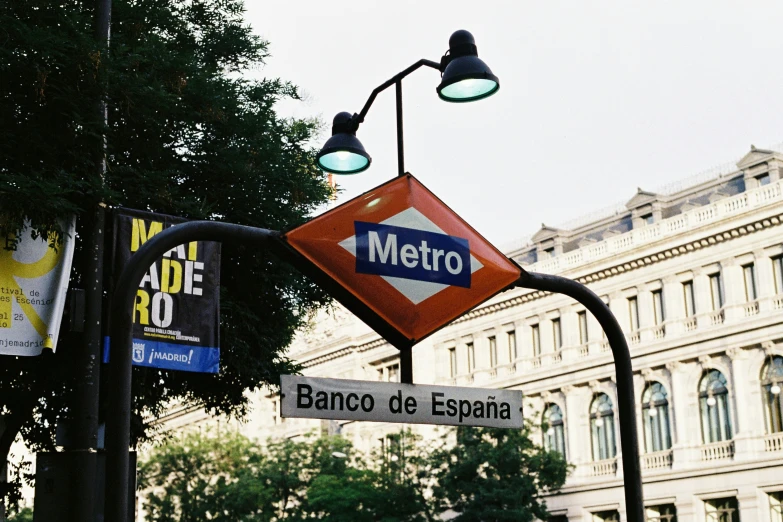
<point>167,356</point>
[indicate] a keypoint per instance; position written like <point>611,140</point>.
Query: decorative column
<point>577,424</point>
<point>569,327</point>
<point>748,420</point>
<point>646,312</point>
<point>545,331</point>
<point>765,280</point>
<point>702,297</point>
<point>684,407</point>
<point>673,305</point>
<point>734,290</point>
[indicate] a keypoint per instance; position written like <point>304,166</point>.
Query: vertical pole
<point>629,437</point>
<point>400,146</point>
<point>406,365</point>
<point>88,359</point>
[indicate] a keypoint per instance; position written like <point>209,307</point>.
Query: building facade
<point>695,277</point>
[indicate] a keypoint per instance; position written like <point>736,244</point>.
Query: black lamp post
<point>464,78</point>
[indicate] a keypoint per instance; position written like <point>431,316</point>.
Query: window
<point>536,338</point>
<point>722,510</point>
<point>582,327</point>
<point>714,407</point>
<point>471,357</point>
<point>690,303</point>
<point>550,252</point>
<point>658,307</point>
<point>554,436</point>
<point>557,334</point>
<point>453,361</point>
<point>716,290</point>
<point>493,352</point>
<point>771,384</point>
<point>512,345</point>
<point>633,312</point>
<point>664,513</point>
<point>655,415</point>
<point>777,266</point>
<point>776,506</point>
<point>602,427</point>
<point>648,219</point>
<point>763,179</point>
<point>749,272</point>
<point>389,373</point>
<point>606,516</point>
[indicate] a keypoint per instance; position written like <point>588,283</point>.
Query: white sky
<point>596,98</point>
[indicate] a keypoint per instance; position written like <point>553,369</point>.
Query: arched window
<point>771,383</point>
<point>714,406</point>
<point>602,427</point>
<point>554,436</point>
<point>655,413</point>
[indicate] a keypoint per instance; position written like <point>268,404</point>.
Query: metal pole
<point>400,145</point>
<point>629,438</point>
<point>86,392</point>
<point>121,364</point>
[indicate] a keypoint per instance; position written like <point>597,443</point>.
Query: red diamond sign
<point>406,256</point>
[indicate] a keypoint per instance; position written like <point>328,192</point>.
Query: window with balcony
<point>554,434</point>
<point>763,179</point>
<point>453,361</point>
<point>557,334</point>
<point>714,407</point>
<point>749,274</point>
<point>633,312</point>
<point>663,513</point>
<point>602,427</point>
<point>493,352</point>
<point>776,506</point>
<point>777,267</point>
<point>722,510</point>
<point>690,302</point>
<point>606,516</point>
<point>535,334</point>
<point>655,415</point>
<point>771,384</point>
<point>512,345</point>
<point>716,291</point>
<point>471,357</point>
<point>582,316</point>
<point>658,309</point>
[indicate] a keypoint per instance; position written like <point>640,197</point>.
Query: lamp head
<point>464,77</point>
<point>343,153</point>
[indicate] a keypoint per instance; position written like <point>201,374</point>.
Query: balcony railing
<point>601,468</point>
<point>718,451</point>
<point>773,442</point>
<point>657,460</point>
<point>634,239</point>
<point>751,309</point>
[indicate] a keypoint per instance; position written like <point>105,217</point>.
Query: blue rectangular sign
<point>409,253</point>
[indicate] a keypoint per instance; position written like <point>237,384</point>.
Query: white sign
<point>33,282</point>
<point>342,399</point>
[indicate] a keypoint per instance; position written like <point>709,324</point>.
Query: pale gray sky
<point>596,97</point>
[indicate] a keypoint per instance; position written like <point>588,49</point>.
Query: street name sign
<point>406,256</point>
<point>344,399</point>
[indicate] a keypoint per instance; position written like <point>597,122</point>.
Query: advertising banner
<point>177,311</point>
<point>343,399</point>
<point>33,283</point>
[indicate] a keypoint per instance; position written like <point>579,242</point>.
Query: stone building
<point>694,275</point>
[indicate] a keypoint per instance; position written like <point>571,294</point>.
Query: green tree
<point>190,134</point>
<point>494,475</point>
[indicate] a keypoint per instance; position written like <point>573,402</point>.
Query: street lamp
<point>464,78</point>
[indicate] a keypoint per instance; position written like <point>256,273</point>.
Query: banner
<point>33,283</point>
<point>176,315</point>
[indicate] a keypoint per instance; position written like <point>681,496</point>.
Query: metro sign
<point>406,257</point>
